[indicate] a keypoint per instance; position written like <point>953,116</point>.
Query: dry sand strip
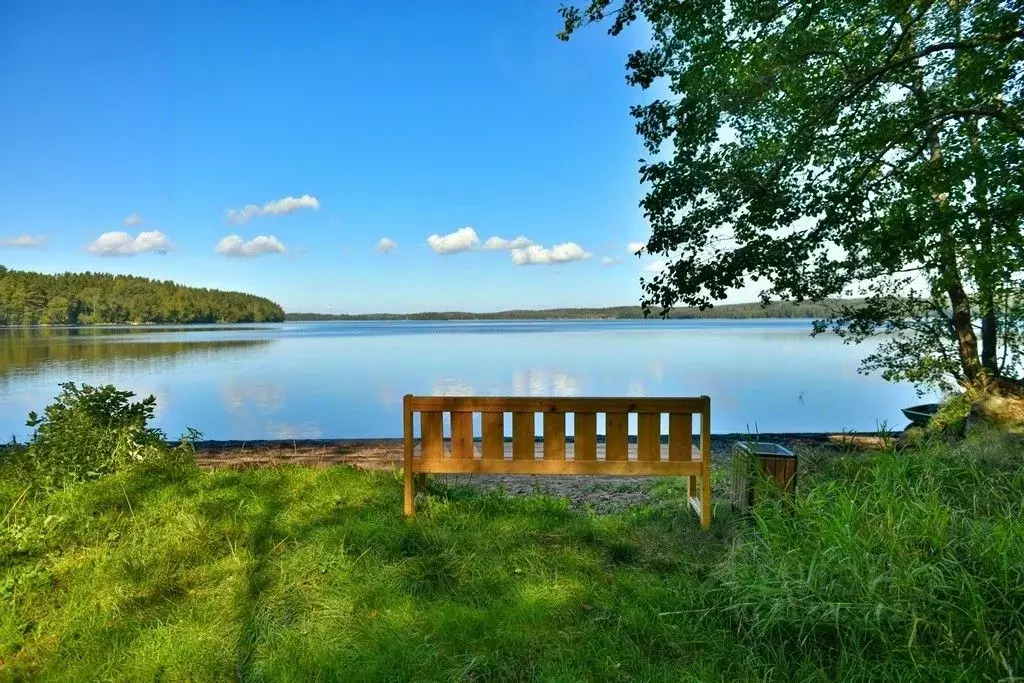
<point>602,494</point>
<point>387,453</point>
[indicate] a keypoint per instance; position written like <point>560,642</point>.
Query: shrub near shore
<point>889,566</point>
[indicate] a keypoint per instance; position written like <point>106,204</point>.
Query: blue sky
<point>341,124</point>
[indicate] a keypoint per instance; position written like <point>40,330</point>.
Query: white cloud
<point>233,245</point>
<point>633,247</point>
<point>122,244</point>
<point>609,261</point>
<point>499,244</point>
<point>278,207</point>
<point>655,267</point>
<point>132,219</point>
<point>560,253</point>
<point>23,241</point>
<point>386,246</point>
<point>462,239</point>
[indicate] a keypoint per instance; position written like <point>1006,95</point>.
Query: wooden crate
<point>751,460</point>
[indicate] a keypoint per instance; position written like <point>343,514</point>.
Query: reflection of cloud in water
<point>657,371</point>
<point>451,387</point>
<point>388,396</point>
<point>545,383</point>
<point>239,398</point>
<point>306,430</point>
<point>538,383</point>
<point>636,389</point>
<point>565,385</point>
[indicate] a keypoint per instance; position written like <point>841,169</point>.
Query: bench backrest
<point>583,453</point>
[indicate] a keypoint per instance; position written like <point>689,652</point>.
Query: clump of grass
<point>950,421</point>
<point>895,563</point>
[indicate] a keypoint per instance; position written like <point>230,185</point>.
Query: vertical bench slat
<point>584,429</point>
<point>431,436</point>
<point>680,436</point>
<point>493,435</point>
<point>554,436</point>
<point>648,440</point>
<point>462,436</point>
<point>523,425</point>
<point>616,436</point>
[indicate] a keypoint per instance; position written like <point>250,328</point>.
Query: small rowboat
<point>919,415</point>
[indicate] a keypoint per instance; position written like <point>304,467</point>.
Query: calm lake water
<point>346,379</point>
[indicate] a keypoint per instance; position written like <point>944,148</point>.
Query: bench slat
<point>616,436</point>
<point>584,436</point>
<point>648,441</point>
<point>462,436</point>
<point>431,436</point>
<point>568,404</point>
<point>680,436</point>
<point>620,468</point>
<point>523,425</point>
<point>493,435</point>
<point>554,436</point>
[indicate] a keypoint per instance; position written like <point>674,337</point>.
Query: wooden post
<point>705,454</point>
<point>410,493</point>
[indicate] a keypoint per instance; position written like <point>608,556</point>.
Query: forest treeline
<point>98,298</point>
<point>749,310</point>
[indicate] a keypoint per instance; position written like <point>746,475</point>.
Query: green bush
<point>91,431</point>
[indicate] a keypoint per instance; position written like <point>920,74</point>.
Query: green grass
<point>896,566</point>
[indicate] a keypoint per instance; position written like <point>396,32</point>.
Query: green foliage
<point>777,309</point>
<point>891,567</point>
<point>91,431</point>
<point>835,149</point>
<point>97,298</point>
<point>950,420</point>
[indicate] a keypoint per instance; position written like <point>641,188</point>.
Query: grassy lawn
<point>898,566</point>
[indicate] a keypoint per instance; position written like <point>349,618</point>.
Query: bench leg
<point>410,493</point>
<point>701,504</point>
<point>705,501</point>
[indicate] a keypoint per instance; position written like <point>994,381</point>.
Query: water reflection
<point>451,387</point>
<point>333,380</point>
<point>545,382</point>
<point>28,351</point>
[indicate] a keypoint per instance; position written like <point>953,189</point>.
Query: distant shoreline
<point>745,311</point>
<point>210,326</point>
<point>782,310</point>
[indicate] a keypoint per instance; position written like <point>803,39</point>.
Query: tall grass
<point>895,566</point>
<point>901,563</point>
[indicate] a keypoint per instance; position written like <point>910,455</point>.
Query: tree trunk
<point>950,276</point>
<point>985,276</point>
<point>952,280</point>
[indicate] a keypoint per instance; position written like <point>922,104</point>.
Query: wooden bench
<point>462,453</point>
